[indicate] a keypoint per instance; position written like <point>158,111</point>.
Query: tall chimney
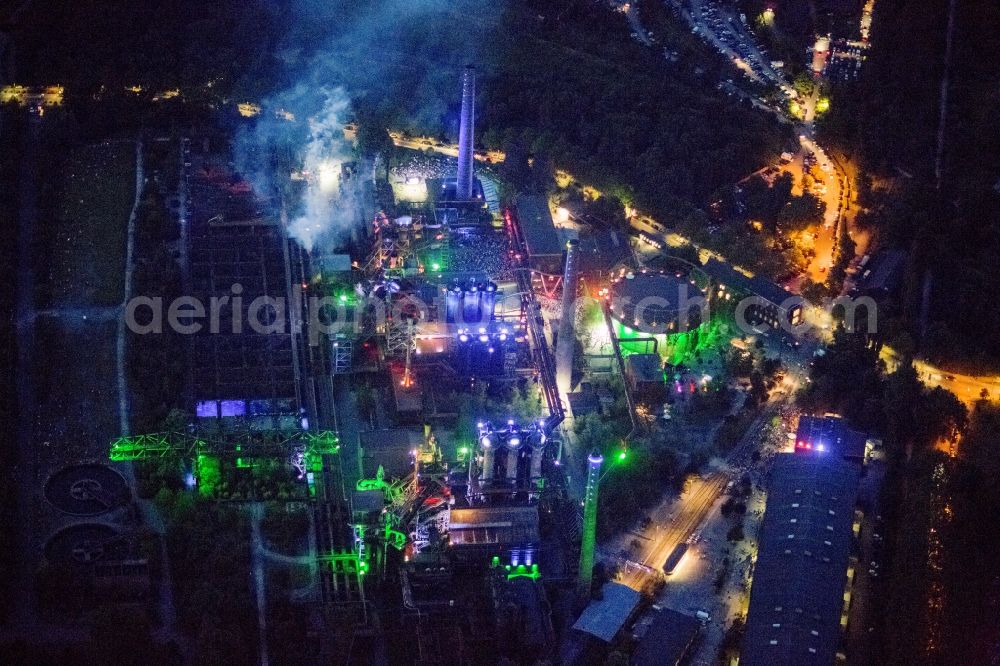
<point>586,573</point>
<point>466,134</point>
<point>564,345</point>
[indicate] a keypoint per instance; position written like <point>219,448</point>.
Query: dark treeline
<point>592,101</point>
<point>94,45</point>
<point>951,225</point>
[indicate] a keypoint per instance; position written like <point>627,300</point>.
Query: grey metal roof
<point>602,249</point>
<point>884,272</point>
<point>536,224</point>
<point>605,617</point>
<point>760,286</point>
<point>828,434</point>
<point>801,570</point>
<point>667,639</point>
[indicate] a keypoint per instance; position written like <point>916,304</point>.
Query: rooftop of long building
<point>799,579</point>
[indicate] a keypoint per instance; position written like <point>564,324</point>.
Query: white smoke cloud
<point>301,130</point>
<point>403,57</point>
<point>324,214</point>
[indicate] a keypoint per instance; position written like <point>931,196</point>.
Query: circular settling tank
<point>84,543</point>
<point>86,490</point>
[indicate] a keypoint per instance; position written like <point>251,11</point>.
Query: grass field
<point>94,190</point>
<point>77,389</point>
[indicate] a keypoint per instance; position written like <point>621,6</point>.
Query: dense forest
<point>935,195</point>
<point>607,109</point>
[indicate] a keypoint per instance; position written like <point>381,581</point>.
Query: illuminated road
<point>690,512</point>
<point>728,34</point>
<point>830,194</point>
<point>966,388</point>
<point>450,149</point>
<point>692,509</point>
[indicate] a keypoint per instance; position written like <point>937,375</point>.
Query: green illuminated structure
<point>345,563</point>
<point>157,445</point>
<point>432,257</point>
<point>392,490</point>
<point>304,450</point>
<point>391,536</point>
<point>394,538</point>
<point>589,539</point>
<point>519,571</point>
<point>262,444</point>
<point>674,347</point>
<point>523,571</point>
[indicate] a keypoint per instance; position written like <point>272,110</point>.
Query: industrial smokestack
<point>466,134</point>
<point>586,573</point>
<point>564,345</point>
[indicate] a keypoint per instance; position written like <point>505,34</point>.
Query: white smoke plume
<point>322,212</point>
<point>400,58</point>
<point>301,131</point>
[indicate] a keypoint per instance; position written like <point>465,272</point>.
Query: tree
<point>800,212</point>
<point>758,387</point>
<point>765,202</point>
<point>176,420</point>
<point>542,175</point>
<point>607,209</point>
<point>526,405</point>
<point>814,292</point>
<point>804,84</point>
<point>843,258</point>
<point>515,169</point>
<point>373,138</point>
<point>616,658</point>
<point>846,380</point>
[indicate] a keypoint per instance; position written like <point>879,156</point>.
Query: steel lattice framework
<point>311,445</point>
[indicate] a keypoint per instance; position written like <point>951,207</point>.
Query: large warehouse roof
<point>537,227</point>
<point>759,286</point>
<point>798,582</point>
<point>667,639</point>
<point>605,617</point>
